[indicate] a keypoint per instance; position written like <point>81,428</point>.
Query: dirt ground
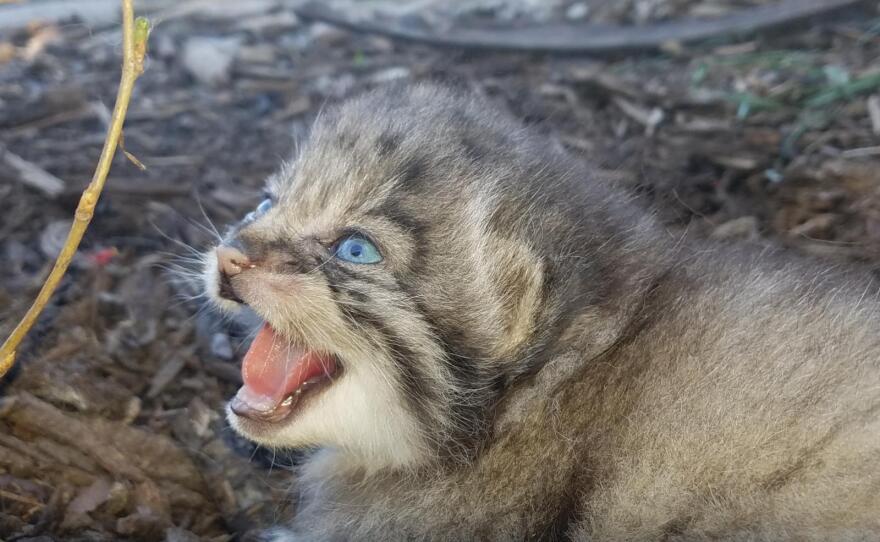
<point>111,426</point>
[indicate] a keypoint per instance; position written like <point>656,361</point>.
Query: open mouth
<point>278,376</point>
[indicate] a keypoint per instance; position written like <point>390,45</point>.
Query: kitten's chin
<point>357,413</point>
<point>272,426</point>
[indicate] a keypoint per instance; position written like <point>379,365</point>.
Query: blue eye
<point>356,249</point>
<point>263,207</point>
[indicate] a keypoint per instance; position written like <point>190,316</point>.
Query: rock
<point>209,60</point>
<point>118,500</point>
<point>644,10</point>
<point>269,23</point>
<point>334,86</point>
<point>20,257</point>
<point>327,35</point>
<point>577,11</point>
<point>53,236</point>
<point>256,54</point>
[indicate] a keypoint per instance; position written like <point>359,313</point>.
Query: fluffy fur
<point>535,358</point>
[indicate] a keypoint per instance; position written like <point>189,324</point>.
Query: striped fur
<point>535,358</point>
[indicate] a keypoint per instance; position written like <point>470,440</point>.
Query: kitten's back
<point>758,415</point>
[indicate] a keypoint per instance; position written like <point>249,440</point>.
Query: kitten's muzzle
<point>230,262</point>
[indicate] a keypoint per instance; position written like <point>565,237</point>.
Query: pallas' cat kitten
<point>482,341</point>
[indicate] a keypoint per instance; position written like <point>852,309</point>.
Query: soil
<point>112,425</point>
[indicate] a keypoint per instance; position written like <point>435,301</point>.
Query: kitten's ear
<point>518,278</point>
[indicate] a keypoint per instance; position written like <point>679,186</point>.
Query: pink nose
<point>231,261</point>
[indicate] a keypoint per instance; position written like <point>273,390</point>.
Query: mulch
<point>111,425</point>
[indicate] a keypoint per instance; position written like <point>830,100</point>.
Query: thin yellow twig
<point>134,50</point>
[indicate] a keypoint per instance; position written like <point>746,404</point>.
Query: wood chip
<point>38,42</point>
<point>597,77</point>
<point>297,106</point>
<point>165,375</point>
<point>32,174</point>
<point>861,152</point>
<point>43,418</point>
<point>122,451</point>
<point>816,226</point>
<point>744,227</point>
<point>874,112</point>
<point>740,163</point>
<point>650,118</point>
<point>24,499</point>
<point>91,497</point>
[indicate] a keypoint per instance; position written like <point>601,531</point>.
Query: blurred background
<point>111,426</point>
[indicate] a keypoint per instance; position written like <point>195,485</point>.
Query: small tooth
<point>298,391</point>
<point>287,402</point>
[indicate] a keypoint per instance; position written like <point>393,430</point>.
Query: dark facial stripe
<point>415,386</point>
<point>413,172</point>
<point>288,257</point>
<point>416,390</point>
<point>388,143</point>
<point>569,514</point>
<point>473,149</point>
<point>462,362</point>
<point>338,273</point>
<point>346,141</point>
<point>392,211</point>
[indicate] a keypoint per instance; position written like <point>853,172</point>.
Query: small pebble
<point>209,60</point>
<point>327,35</point>
<point>53,236</point>
<point>269,23</point>
<point>577,11</point>
<point>390,74</point>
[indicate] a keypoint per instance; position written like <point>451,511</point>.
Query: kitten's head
<point>420,255</point>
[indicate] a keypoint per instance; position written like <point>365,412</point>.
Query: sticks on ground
<point>134,49</point>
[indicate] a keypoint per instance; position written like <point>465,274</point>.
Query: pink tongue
<point>273,369</point>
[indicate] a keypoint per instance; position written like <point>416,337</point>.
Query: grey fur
<point>565,369</point>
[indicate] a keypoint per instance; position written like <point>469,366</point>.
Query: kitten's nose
<point>231,261</point>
